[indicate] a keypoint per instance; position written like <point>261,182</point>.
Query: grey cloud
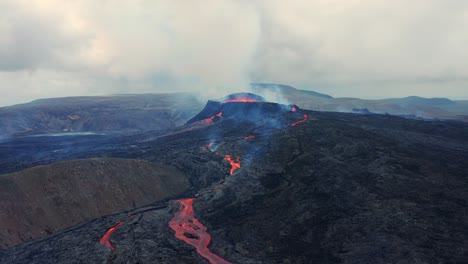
<point>365,48</point>
<point>30,40</point>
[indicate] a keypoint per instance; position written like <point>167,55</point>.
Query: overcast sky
<point>345,48</point>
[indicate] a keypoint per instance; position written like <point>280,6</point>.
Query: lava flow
<point>235,164</point>
<point>209,120</point>
<point>300,121</point>
<point>188,229</point>
<point>249,137</point>
<point>242,100</point>
<point>106,237</point>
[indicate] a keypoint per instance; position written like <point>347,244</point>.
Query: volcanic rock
<point>241,106</point>
<point>335,188</point>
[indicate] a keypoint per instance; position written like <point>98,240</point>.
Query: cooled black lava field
<point>274,183</point>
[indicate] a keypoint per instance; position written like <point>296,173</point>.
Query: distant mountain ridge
<point>286,89</point>
<point>135,112</point>
<point>419,107</point>
<point>146,112</point>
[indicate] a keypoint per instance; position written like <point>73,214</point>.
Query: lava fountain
<point>188,229</point>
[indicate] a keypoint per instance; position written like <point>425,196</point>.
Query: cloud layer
<point>365,48</point>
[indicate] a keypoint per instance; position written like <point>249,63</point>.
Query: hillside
<point>285,185</point>
<point>413,106</point>
<point>120,113</point>
<point>43,200</point>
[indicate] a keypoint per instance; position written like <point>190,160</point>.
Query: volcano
<point>273,183</point>
<point>242,106</point>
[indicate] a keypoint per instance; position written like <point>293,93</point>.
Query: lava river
<point>105,239</point>
<point>300,121</point>
<point>188,229</point>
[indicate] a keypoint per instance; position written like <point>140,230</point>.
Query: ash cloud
<point>351,48</point>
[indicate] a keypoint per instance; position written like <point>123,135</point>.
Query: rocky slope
<point>39,201</point>
<point>292,186</point>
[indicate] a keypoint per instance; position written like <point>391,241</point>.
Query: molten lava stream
<point>188,229</point>
<point>106,237</point>
<point>209,120</point>
<point>235,164</point>
<point>249,137</point>
<point>300,121</point>
<point>242,100</point>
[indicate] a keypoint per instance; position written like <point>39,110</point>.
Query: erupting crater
<point>243,98</point>
<point>239,106</point>
<point>188,229</point>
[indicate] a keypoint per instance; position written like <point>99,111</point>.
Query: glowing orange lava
<point>294,109</point>
<point>188,229</point>
<point>209,121</point>
<point>249,137</point>
<point>242,100</point>
<point>105,239</point>
<point>235,164</point>
<point>300,121</point>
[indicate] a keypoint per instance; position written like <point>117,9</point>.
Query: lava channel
<point>106,237</point>
<point>188,229</point>
<point>235,164</point>
<point>300,121</point>
<point>242,100</point>
<point>209,120</point>
<point>249,137</point>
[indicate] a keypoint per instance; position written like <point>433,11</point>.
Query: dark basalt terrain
<point>312,187</point>
<point>39,201</point>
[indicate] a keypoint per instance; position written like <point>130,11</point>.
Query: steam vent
<point>241,106</point>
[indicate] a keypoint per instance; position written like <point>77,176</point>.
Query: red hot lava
<point>209,120</point>
<point>300,121</point>
<point>105,239</point>
<point>242,100</point>
<point>249,137</point>
<point>235,164</point>
<point>188,229</point>
<point>294,108</point>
